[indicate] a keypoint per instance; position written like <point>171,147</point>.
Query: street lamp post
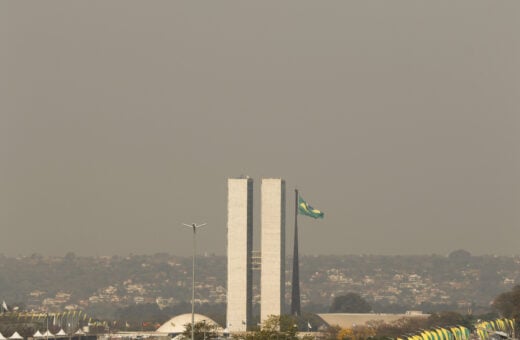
<point>194,227</point>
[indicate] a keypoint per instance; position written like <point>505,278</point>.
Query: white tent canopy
<point>80,332</point>
<point>48,334</point>
<point>37,335</point>
<point>2,337</point>
<point>61,333</point>
<point>16,336</point>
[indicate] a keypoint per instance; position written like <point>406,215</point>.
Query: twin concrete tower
<point>240,249</point>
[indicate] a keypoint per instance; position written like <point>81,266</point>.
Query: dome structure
<point>178,323</point>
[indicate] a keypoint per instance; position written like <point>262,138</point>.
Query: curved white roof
<point>178,323</point>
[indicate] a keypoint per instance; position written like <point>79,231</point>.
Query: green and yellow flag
<point>306,209</point>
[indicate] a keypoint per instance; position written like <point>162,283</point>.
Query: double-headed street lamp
<point>194,227</point>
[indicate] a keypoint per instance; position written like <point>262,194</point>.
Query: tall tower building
<point>239,252</point>
<point>272,277</point>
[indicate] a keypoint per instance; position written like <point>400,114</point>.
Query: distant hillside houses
<point>389,283</point>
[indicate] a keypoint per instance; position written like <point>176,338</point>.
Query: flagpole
<point>295,295</point>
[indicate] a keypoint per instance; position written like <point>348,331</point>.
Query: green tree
<point>331,333</point>
<point>202,330</point>
<point>350,303</point>
<point>274,328</point>
<point>508,303</point>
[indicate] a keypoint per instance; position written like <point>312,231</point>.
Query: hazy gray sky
<point>120,120</point>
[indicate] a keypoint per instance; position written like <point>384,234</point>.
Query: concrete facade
<point>239,252</point>
<point>272,277</point>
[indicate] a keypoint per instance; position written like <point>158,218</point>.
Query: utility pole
<point>194,227</point>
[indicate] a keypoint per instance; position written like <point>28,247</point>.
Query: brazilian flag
<point>306,209</point>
